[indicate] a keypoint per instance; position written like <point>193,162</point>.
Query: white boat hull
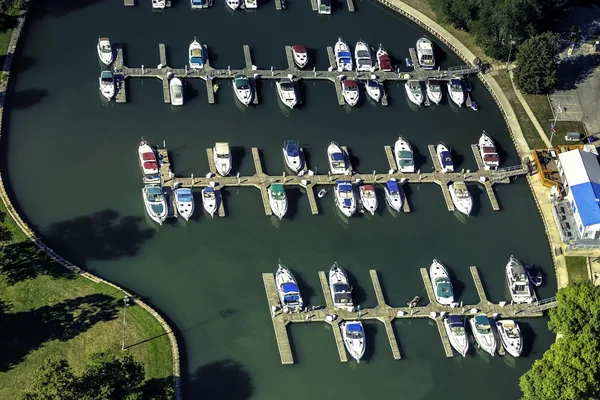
<point>464,205</point>
<point>293,163</point>
<point>223,165</point>
<point>415,98</point>
<point>434,97</point>
<point>210,204</point>
<point>279,207</point>
<point>107,90</point>
<point>486,342</point>
<point>283,276</point>
<point>457,96</point>
<point>232,4</point>
<point>374,92</point>
<point>355,346</point>
<point>394,201</point>
<point>512,344</point>
<point>458,343</point>
<point>347,210</point>
<point>342,46</point>
<point>288,98</point>
<point>438,271</point>
<point>176,91</point>
<point>158,218</point>
<point>364,63</point>
<point>300,59</point>
<point>331,149</point>
<point>338,276</point>
<point>185,209</point>
<point>403,145</point>
<point>105,57</point>
<point>369,203</point>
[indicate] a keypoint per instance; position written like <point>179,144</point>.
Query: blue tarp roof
<point>354,327</point>
<point>289,288</point>
<point>291,149</point>
<point>337,156</point>
<point>392,185</point>
<point>587,196</point>
<point>446,158</point>
<point>198,60</point>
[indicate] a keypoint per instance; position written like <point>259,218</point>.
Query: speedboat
<point>196,4</point>
<point>434,90</point>
<point>343,58</point>
<point>287,288</point>
<point>456,92</point>
<point>404,155</point>
<point>483,334</point>
<point>105,53</point>
<point>250,4</point>
<point>393,197</point>
<point>461,197</point>
<point>457,335</point>
<point>278,199</point>
<point>148,161</point>
<point>300,55</point>
<point>353,335</point>
<point>209,200</point>
<point>442,287</point>
<point>337,159</point>
<point>534,273</point>
<point>344,197</point>
<point>488,152</point>
<point>324,7</point>
<point>373,89</point>
<point>159,4</point>
<point>414,91</point>
<point>383,60</point>
<point>368,198</point>
<point>222,157</point>
<point>176,89</point>
<point>510,336</point>
<point>196,55</point>
<point>350,91</point>
<point>184,201</point>
<point>233,4</point>
<point>517,281</point>
<point>339,286</point>
<point>154,200</point>
<point>107,84</point>
<point>425,53</point>
<point>291,155</point>
<point>242,89</point>
<point>363,57</point>
<point>444,157</point>
<point>287,92</point>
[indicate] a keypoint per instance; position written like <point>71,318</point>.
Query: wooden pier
<point>278,5</point>
<point>350,5</point>
<point>313,4</point>
<point>129,3</point>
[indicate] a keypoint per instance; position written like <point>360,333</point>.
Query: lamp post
<point>512,43</point>
<point>125,304</point>
<point>552,127</point>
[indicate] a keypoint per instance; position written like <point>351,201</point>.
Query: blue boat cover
<point>197,2</point>
<point>344,186</point>
<point>291,149</point>
<point>208,189</point>
<point>392,186</point>
<point>446,159</point>
<point>354,328</point>
<point>482,320</point>
<point>455,321</point>
<point>291,299</point>
<point>347,202</point>
<point>344,54</point>
<point>289,288</point>
<point>456,81</point>
<point>337,156</point>
<point>197,60</point>
<point>184,195</point>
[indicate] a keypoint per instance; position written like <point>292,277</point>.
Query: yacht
<point>105,52</point>
<point>350,91</point>
<point>457,335</point>
<point>517,281</point>
<point>250,4</point>
<point>107,84</point>
<point>343,58</point>
<point>368,198</point>
<point>344,197</point>
<point>232,4</point>
<point>461,197</point>
<point>196,55</point>
<point>442,287</point>
<point>159,4</point>
<point>222,157</point>
<point>184,201</point>
<point>363,57</point>
<point>404,155</point>
<point>488,152</point>
<point>393,197</point>
<point>154,200</point>
<point>337,159</point>
<point>434,91</point>
<point>534,273</point>
<point>277,199</point>
<point>414,91</point>
<point>339,286</point>
<point>292,156</point>
<point>444,157</point>
<point>324,7</point>
<point>353,335</point>
<point>482,331</point>
<point>456,92</point>
<point>242,89</point>
<point>176,89</point>
<point>197,4</point>
<point>425,53</point>
<point>373,89</point>
<point>300,55</point>
<point>148,161</point>
<point>209,200</point>
<point>383,60</point>
<point>510,336</point>
<point>287,288</point>
<point>287,92</point>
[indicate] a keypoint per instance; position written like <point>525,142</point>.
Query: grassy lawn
<point>577,269</point>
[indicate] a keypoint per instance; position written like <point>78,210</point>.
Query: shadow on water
<point>458,286</point>
<point>26,98</point>
<point>224,379</point>
<point>237,156</point>
<point>371,331</point>
<point>478,195</point>
<point>359,295</point>
<point>58,8</point>
<point>421,160</point>
<point>308,292</point>
<point>529,336</point>
<point>294,196</point>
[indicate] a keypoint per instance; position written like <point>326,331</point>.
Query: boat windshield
<point>348,88</point>
<point>415,89</point>
<point>286,86</point>
<point>434,86</point>
<point>482,323</point>
<point>455,85</point>
<point>157,208</point>
<point>354,331</point>
<point>105,49</point>
<point>153,194</point>
<point>511,332</point>
<point>484,329</point>
<point>341,288</point>
<point>208,195</point>
<point>196,52</point>
<point>457,330</point>
<point>184,196</point>
<point>363,54</point>
<point>368,193</point>
<point>242,84</point>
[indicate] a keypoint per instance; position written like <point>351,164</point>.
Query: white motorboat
<point>222,157</point>
<point>105,52</point>
<point>198,4</point>
<point>445,158</point>
<point>242,89</point>
<point>300,55</point>
<point>456,91</point>
<point>373,89</point>
<point>250,4</point>
<point>350,91</point>
<point>324,7</point>
<point>159,4</point>
<point>291,155</point>
<point>176,89</point>
<point>184,202</point>
<point>393,195</point>
<point>107,84</point>
<point>404,155</point>
<point>383,60</point>
<point>483,334</point>
<point>517,281</point>
<point>286,89</point>
<point>442,287</point>
<point>155,203</point>
<point>461,197</point>
<point>434,91</point>
<point>353,335</point>
<point>425,53</point>
<point>209,200</point>
<point>510,336</point>
<point>322,193</point>
<point>287,289</point>
<point>337,159</point>
<point>488,152</point>
<point>414,91</point>
<point>233,4</point>
<point>343,58</point>
<point>196,55</point>
<point>363,57</point>
<point>148,161</point>
<point>277,199</point>
<point>457,335</point>
<point>344,197</point>
<point>368,198</point>
<point>339,286</point>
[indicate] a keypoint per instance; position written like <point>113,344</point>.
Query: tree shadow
<point>574,70</point>
<point>158,389</point>
<point>224,379</point>
<point>26,98</point>
<point>59,8</point>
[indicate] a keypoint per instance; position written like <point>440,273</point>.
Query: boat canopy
<point>345,298</point>
<point>337,156</point>
<point>368,187</point>
<point>455,321</point>
<point>405,154</point>
<point>197,60</point>
<point>355,327</point>
<point>184,195</point>
<point>150,165</point>
<point>153,190</point>
<point>392,185</point>
<point>277,191</point>
<point>344,186</point>
<point>363,54</point>
<point>341,288</point>
<point>148,156</point>
<point>289,288</point>
<point>291,149</point>
<point>455,82</point>
<point>349,83</point>
<point>326,3</point>
<point>298,48</point>
<point>241,82</point>
<point>446,159</point>
<point>222,148</point>
<point>291,298</point>
<point>385,62</point>
<point>444,289</point>
<point>208,189</point>
<point>343,54</point>
<point>482,320</point>
<point>348,202</point>
<point>196,52</point>
<point>491,158</point>
<point>198,2</point>
<point>106,76</point>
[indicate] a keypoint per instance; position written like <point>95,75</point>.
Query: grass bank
<point>577,269</point>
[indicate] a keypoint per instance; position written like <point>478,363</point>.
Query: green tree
<point>578,309</point>
<point>537,63</point>
<point>55,381</point>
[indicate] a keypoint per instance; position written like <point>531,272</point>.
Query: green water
<point>72,167</point>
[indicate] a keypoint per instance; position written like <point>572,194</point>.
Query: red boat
<point>300,55</point>
<point>383,60</point>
